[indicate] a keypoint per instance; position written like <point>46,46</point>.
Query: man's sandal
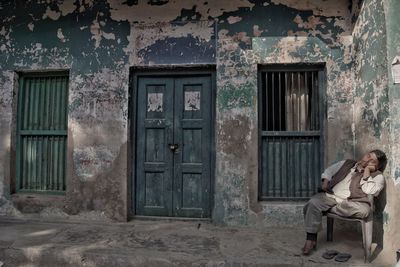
<point>342,257</point>
<point>330,254</point>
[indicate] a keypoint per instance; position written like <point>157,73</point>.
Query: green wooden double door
<point>173,146</point>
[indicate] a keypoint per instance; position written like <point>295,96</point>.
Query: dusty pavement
<point>163,243</point>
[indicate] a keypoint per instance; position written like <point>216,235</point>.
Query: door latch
<point>173,147</point>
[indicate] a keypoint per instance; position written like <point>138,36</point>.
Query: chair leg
<point>368,239</point>
<point>363,235</point>
<point>329,229</point>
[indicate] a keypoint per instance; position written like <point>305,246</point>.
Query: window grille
<point>42,132</point>
<point>291,133</point>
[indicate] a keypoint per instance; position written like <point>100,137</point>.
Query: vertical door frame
<point>164,71</point>
<point>320,67</point>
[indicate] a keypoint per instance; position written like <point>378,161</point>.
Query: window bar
<point>286,97</point>
<point>314,170</point>
<point>45,162</point>
<point>50,163</point>
<point>55,162</point>
<point>39,102</point>
<point>306,101</point>
<point>25,94</point>
<point>300,173</point>
<point>280,103</point>
<point>28,157</point>
<point>61,164</point>
<point>52,105</point>
<point>273,101</point>
<point>23,181</point>
<point>298,102</point>
<point>38,162</point>
<point>266,103</point>
<point>63,149</point>
<point>33,157</point>
<point>289,169</point>
<point>281,160</point>
<point>64,163</point>
<point>30,101</point>
<point>57,165</point>
<point>64,102</point>
<point>265,140</point>
<point>274,162</point>
<point>317,161</point>
<point>309,102</point>
<point>33,170</point>
<point>37,140</point>
<point>59,102</point>
<point>308,166</point>
<point>292,100</point>
<point>293,143</point>
<point>316,84</point>
<point>314,99</point>
<point>57,115</point>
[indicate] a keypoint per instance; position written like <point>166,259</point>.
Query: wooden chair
<point>366,226</point>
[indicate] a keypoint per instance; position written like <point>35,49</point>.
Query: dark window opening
<point>289,101</point>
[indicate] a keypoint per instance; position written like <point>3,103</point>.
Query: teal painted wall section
<point>393,183</point>
<point>370,72</point>
<point>393,50</point>
<point>376,117</point>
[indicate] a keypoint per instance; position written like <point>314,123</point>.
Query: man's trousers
<point>320,203</point>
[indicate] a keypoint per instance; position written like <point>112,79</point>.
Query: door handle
<point>173,147</point>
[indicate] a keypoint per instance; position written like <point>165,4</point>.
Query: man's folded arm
<point>372,186</point>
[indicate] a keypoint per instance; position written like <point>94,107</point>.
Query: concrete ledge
<point>290,214</point>
<point>282,213</point>
<point>35,203</point>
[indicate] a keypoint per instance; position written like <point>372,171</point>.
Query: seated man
<point>346,186</point>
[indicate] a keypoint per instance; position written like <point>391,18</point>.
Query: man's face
<point>369,159</point>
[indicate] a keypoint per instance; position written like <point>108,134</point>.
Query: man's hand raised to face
<point>368,169</point>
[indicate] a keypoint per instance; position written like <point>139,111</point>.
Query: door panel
<point>173,181</point>
<point>154,160</point>
<point>192,163</point>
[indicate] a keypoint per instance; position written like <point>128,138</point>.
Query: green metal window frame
<point>279,135</point>
<point>42,136</point>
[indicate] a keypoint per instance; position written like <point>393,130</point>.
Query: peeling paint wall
<point>376,37</point>
<point>98,41</point>
<point>392,211</point>
<point>238,55</point>
<point>79,36</point>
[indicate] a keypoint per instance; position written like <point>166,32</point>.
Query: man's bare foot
<point>309,246</point>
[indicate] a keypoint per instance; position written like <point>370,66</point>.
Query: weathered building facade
<point>226,110</point>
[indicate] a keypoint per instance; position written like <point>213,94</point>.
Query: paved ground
<point>162,243</point>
